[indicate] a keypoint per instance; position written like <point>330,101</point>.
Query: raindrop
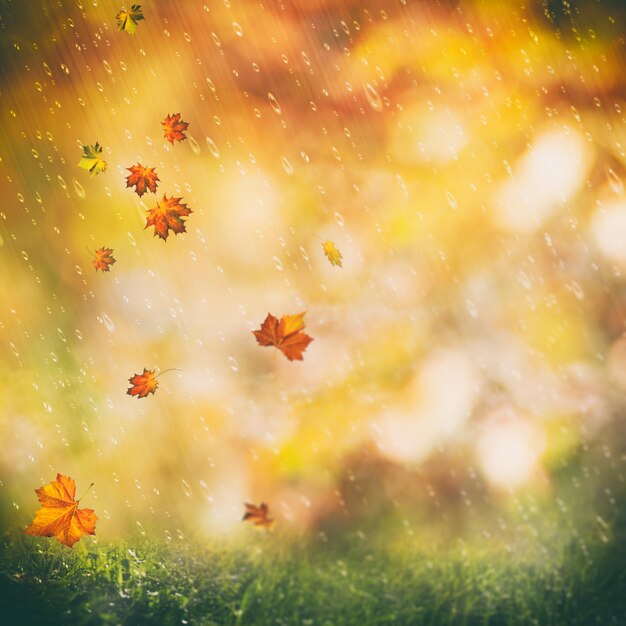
<point>452,202</point>
<point>62,182</point>
<point>471,308</point>
<point>373,97</point>
<point>287,166</point>
<point>615,182</point>
<point>339,219</point>
<point>278,263</point>
<point>213,148</point>
<point>186,488</point>
<point>142,530</point>
<point>194,145</point>
<point>108,323</point>
<point>79,189</point>
<point>274,102</point>
<point>238,30</point>
<point>233,364</point>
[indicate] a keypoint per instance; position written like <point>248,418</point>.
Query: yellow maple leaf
<point>127,19</point>
<point>92,160</point>
<point>332,253</point>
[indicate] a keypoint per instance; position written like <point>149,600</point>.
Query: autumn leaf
<point>167,215</point>
<point>286,335</point>
<point>103,259</point>
<point>142,178</point>
<point>143,384</point>
<point>146,383</point>
<point>332,253</point>
<point>91,159</point>
<point>59,515</point>
<point>174,128</point>
<point>127,19</point>
<point>258,515</point>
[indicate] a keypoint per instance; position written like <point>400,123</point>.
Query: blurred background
<point>468,368</point>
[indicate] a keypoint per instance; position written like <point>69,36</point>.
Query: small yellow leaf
<point>91,159</point>
<point>127,19</point>
<point>331,252</point>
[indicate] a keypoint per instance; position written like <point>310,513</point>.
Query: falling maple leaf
<point>103,259</point>
<point>167,215</point>
<point>146,383</point>
<point>332,253</point>
<point>91,159</point>
<point>59,515</point>
<point>286,335</point>
<point>127,19</point>
<point>143,384</point>
<point>143,178</point>
<point>174,128</point>
<point>258,515</point>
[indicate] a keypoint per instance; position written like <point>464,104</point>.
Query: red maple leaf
<point>285,334</point>
<point>168,215</point>
<point>142,178</point>
<point>174,128</point>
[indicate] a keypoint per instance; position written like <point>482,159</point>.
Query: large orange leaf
<point>167,215</point>
<point>258,515</point>
<point>174,128</point>
<point>286,335</point>
<point>142,178</point>
<point>59,515</point>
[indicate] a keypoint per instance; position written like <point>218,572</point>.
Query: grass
<point>314,582</point>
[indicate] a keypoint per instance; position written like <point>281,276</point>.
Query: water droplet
<point>79,189</point>
<point>452,202</point>
<point>615,182</point>
<point>471,308</point>
<point>373,97</point>
<point>142,530</point>
<point>238,30</point>
<point>278,264</point>
<point>287,166</point>
<point>108,323</point>
<point>339,219</point>
<point>195,147</point>
<point>213,148</point>
<point>186,488</point>
<point>274,102</point>
<point>233,364</point>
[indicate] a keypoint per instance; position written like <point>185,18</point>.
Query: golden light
<point>543,180</point>
<point>509,448</point>
<point>608,230</point>
<point>439,402</point>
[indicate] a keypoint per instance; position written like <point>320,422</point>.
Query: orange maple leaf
<point>103,259</point>
<point>174,128</point>
<point>258,515</point>
<point>143,178</point>
<point>59,515</point>
<point>143,384</point>
<point>167,215</point>
<point>286,335</point>
<point>146,383</point>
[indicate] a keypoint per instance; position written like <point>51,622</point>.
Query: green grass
<point>270,580</point>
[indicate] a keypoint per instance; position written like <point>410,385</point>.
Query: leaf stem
<point>86,492</point>
<point>171,369</point>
